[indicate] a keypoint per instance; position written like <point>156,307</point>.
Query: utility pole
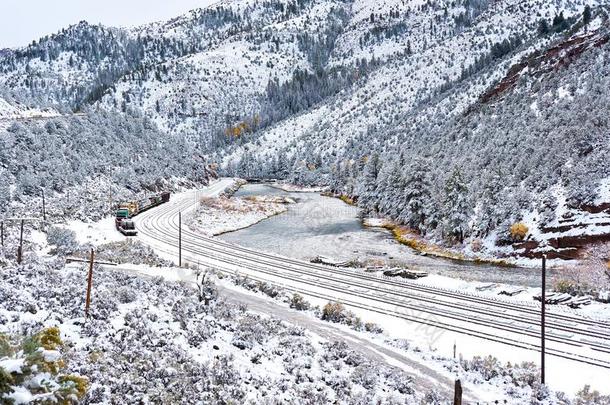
<point>2,233</point>
<point>20,248</point>
<point>457,395</point>
<point>542,324</point>
<point>89,285</point>
<point>180,239</point>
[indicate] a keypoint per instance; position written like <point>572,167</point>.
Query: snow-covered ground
<point>509,292</point>
<point>418,349</point>
<point>96,233</point>
<point>401,320</point>
<point>293,188</point>
<point>150,340</point>
<point>163,329</point>
<point>222,214</point>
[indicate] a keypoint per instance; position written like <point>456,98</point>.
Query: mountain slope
<point>358,95</point>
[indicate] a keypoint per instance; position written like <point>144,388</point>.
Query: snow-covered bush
<point>128,251</point>
<point>33,371</point>
<point>336,312</point>
<point>586,396</point>
<point>365,375</point>
<point>433,398</point>
<point>173,348</point>
<point>63,239</point>
<point>125,295</point>
<point>373,328</point>
<point>252,330</point>
<point>299,303</point>
<point>488,367</point>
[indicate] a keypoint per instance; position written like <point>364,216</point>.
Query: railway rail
<point>513,323</point>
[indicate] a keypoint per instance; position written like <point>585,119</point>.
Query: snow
<point>21,395</point>
<point>562,93</point>
<point>12,365</point>
<point>221,215</point>
<point>96,233</point>
<point>50,355</point>
<point>293,188</point>
<point>603,195</point>
<point>164,328</point>
<point>375,222</point>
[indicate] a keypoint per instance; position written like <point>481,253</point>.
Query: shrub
<point>63,239</point>
<point>373,328</point>
<point>268,289</point>
<point>299,303</point>
<point>432,397</point>
<point>366,376</point>
<point>518,231</point>
<point>38,373</point>
<point>334,312</point>
<point>125,295</point>
<point>588,397</point>
<point>488,366</point>
<point>564,286</point>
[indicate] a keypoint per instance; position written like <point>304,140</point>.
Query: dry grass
<point>347,199</point>
<point>410,238</point>
<point>235,205</point>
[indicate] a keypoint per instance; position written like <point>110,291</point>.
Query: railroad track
<point>512,323</point>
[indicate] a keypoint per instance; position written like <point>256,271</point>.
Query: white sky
<point>22,21</point>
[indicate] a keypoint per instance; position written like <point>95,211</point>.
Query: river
<point>318,225</point>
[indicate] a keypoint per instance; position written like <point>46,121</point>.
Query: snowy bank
<point>293,188</point>
<point>215,216</point>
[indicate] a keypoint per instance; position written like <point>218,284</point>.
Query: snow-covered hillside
<point>357,95</point>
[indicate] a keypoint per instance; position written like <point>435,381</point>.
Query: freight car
<point>130,209</point>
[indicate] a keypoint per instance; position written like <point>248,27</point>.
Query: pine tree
<point>416,195</point>
<point>543,27</point>
<point>456,207</point>
<point>586,16</point>
<point>367,197</point>
<point>391,188</point>
<point>5,192</point>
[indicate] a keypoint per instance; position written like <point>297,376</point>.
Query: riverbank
<point>411,239</point>
<point>216,216</point>
<point>293,188</point>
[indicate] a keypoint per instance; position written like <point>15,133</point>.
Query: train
<point>129,209</point>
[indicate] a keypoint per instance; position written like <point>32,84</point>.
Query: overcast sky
<point>22,21</point>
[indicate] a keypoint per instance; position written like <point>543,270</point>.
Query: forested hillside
<point>456,118</point>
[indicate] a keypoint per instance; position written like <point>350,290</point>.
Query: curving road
<point>569,335</point>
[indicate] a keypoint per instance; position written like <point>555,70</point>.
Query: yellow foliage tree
<point>518,231</point>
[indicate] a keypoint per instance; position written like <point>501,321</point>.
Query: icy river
<point>318,225</point>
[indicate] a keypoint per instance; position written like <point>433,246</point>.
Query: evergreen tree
<point>367,197</point>
<point>586,16</point>
<point>416,194</point>
<point>456,207</point>
<point>392,187</point>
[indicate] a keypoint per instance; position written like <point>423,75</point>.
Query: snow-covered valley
<point>409,166</point>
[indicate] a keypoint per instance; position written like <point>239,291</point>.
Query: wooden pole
<point>2,233</point>
<point>457,397</point>
<point>542,321</point>
<point>180,239</point>
<point>20,248</point>
<point>89,285</point>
